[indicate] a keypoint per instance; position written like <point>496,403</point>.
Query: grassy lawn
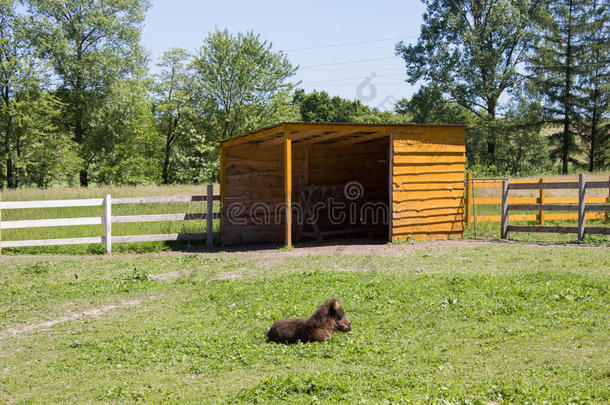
<point>493,323</point>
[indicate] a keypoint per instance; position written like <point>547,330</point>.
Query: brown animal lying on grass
<point>319,327</point>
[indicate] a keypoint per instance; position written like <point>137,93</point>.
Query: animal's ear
<point>336,305</point>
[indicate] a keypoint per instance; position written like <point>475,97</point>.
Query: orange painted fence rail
<point>582,186</point>
<point>471,201</point>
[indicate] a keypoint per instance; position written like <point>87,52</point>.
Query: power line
<point>312,48</point>
<point>392,85</point>
<point>366,70</point>
<point>347,62</point>
<point>351,79</point>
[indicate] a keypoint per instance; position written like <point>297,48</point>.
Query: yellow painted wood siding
<point>428,183</point>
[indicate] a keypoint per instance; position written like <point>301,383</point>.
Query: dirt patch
<point>229,275</point>
<point>166,276</point>
<point>355,269</point>
<point>275,257</point>
<point>374,249</point>
<point>94,312</point>
<point>270,253</point>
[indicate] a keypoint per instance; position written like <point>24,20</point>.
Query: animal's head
<point>337,313</point>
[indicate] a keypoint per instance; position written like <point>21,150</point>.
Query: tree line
<point>79,104</point>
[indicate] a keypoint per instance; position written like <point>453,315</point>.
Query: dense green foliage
<point>80,105</point>
<point>494,323</point>
<point>522,68</point>
<point>175,107</point>
<point>555,68</point>
<point>470,49</point>
<point>30,136</point>
<point>320,107</point>
<point>92,46</point>
<point>428,106</point>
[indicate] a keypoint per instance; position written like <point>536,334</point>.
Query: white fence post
<point>209,216</point>
<point>108,223</point>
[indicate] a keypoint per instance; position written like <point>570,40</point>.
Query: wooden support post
<point>505,217</point>
<point>306,170</point>
<point>108,223</point>
<point>391,189</point>
<point>582,184</point>
<point>209,216</point>
<point>223,192</point>
<point>288,187</point>
<point>541,199</point>
<point>469,189</point>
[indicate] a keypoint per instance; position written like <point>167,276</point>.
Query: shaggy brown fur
<point>320,326</point>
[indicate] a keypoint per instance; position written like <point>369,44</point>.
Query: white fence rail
<point>107,220</point>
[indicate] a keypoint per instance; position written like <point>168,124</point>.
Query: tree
<point>238,73</point>
<point>554,67</point>
<point>34,151</point>
<point>90,44</point>
<point>320,107</point>
<point>174,92</point>
<point>239,81</point>
<point>525,149</point>
<point>471,50</point>
<point>429,106</point>
<point>593,94</point>
<point>16,78</point>
<point>131,153</point>
<point>196,157</point>
<point>45,154</point>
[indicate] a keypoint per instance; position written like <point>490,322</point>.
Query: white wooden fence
<point>107,220</point>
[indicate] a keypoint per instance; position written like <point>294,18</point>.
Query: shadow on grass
<point>485,234</point>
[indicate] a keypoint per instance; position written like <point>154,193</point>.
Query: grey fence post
<point>582,184</point>
<point>108,223</point>
<point>505,218</point>
<point>209,217</point>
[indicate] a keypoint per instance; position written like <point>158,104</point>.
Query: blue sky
<point>309,32</point>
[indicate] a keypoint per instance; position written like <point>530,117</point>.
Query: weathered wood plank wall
<point>428,185</point>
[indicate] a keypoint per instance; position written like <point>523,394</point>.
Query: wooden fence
<point>472,202</point>
<point>107,220</point>
<point>582,207</point>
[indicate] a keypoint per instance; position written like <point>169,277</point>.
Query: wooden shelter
<point>302,180</point>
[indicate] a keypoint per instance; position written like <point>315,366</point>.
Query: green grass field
<point>494,323</point>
